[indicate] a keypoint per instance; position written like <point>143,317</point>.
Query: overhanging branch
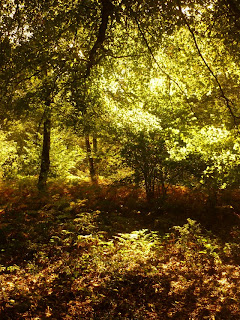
<point>159,67</point>
<point>106,12</point>
<point>225,98</point>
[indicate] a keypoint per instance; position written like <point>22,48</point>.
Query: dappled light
<point>66,256</point>
<point>120,160</point>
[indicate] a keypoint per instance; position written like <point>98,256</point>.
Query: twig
<point>226,99</point>
<point>159,67</point>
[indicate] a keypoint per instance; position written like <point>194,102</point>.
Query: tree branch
<point>226,99</point>
<point>159,67</point>
<point>106,12</point>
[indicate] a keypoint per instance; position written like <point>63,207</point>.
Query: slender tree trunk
<point>45,157</point>
<point>95,144</point>
<point>149,187</point>
<point>90,159</point>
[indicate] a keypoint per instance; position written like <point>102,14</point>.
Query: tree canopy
<point>108,69</point>
<point>119,159</point>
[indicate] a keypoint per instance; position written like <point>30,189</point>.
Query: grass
<point>99,252</point>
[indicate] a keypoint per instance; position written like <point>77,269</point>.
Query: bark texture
<point>45,157</point>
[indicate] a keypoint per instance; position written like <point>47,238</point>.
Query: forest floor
<point>103,252</point>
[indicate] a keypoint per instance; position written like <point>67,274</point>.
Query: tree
<point>165,60</point>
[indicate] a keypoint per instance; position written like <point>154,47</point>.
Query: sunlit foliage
<point>119,159</point>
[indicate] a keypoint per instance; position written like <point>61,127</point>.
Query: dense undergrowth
<point>99,252</point>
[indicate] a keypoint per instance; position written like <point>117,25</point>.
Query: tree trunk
<point>95,144</point>
<point>45,157</point>
<point>149,186</point>
<point>90,159</point>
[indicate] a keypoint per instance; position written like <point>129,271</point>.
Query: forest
<point>120,159</point>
